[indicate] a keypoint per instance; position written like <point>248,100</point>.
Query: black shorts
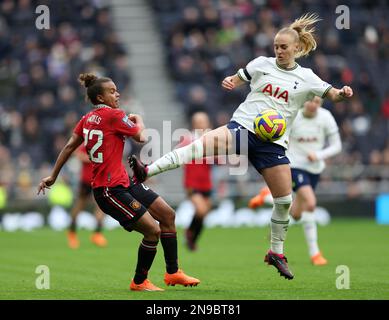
<point>205,194</point>
<point>84,189</point>
<point>143,194</point>
<point>303,178</point>
<point>126,205</point>
<point>261,154</point>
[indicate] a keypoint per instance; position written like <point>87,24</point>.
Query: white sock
<point>176,158</point>
<point>279,223</point>
<point>310,231</point>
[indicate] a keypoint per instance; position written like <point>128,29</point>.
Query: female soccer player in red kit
<point>198,182</point>
<point>135,207</point>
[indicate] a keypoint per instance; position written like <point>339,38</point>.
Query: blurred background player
<point>84,194</point>
<point>311,130</point>
<point>197,182</point>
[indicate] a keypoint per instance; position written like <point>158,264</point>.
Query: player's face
<point>285,49</point>
<point>110,95</point>
<point>310,107</point>
<point>200,121</point>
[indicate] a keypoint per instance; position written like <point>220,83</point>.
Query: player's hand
<point>312,157</point>
<point>134,118</point>
<point>137,119</point>
<point>45,184</point>
<point>228,83</point>
<point>346,92</point>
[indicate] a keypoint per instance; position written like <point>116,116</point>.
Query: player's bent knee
<point>296,216</point>
<point>311,206</point>
<point>169,217</point>
<point>201,211</point>
<point>154,233</point>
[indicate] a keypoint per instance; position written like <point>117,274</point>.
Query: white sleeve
<point>246,74</point>
<point>330,123</point>
<point>318,87</point>
<point>334,147</point>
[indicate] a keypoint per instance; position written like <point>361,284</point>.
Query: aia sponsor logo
<point>276,92</point>
<point>311,139</point>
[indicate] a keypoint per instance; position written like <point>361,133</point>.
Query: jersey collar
<point>101,105</point>
<point>287,69</point>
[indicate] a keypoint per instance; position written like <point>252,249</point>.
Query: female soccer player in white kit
<point>311,129</point>
<point>277,83</point>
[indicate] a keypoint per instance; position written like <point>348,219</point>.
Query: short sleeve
<point>246,74</point>
<point>79,127</point>
<point>317,86</point>
<point>123,125</point>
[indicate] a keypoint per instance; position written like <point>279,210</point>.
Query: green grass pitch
<point>229,263</point>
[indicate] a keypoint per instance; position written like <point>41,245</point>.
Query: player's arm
<point>73,143</point>
<point>137,119</point>
<point>232,82</point>
<point>128,125</point>
<point>336,95</point>
<point>333,148</point>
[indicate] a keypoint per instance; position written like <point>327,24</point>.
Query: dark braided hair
<point>93,85</point>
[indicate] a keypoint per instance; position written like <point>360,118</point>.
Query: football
<point>269,125</point>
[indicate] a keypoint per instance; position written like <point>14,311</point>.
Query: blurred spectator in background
<point>39,97</point>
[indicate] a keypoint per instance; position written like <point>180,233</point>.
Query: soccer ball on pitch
<point>269,125</point>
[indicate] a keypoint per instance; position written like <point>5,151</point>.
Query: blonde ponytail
<point>305,33</point>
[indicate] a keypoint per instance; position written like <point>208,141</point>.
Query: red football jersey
<point>104,130</point>
<point>197,176</point>
<point>87,167</point>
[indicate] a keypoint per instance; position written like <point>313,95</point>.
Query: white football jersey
<point>275,88</point>
<point>309,135</point>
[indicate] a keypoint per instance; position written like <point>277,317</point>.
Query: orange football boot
<point>98,239</point>
<point>73,241</point>
<point>171,279</point>
<point>319,260</point>
<point>144,286</point>
<point>259,199</point>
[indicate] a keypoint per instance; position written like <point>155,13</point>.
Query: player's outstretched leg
<point>175,158</point>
